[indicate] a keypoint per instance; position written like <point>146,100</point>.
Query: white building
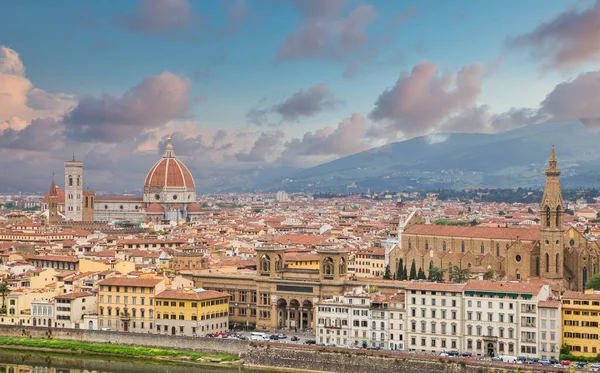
<point>434,317</point>
<point>361,319</point>
<point>282,196</point>
<point>549,312</point>
<point>501,317</point>
<point>42,312</point>
<point>70,309</point>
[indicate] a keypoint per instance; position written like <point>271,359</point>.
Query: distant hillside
<point>504,160</point>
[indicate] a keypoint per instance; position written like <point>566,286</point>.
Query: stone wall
<point>201,344</point>
<point>358,361</point>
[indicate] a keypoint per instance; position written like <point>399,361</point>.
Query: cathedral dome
<point>169,180</point>
<point>155,208</point>
<point>194,208</point>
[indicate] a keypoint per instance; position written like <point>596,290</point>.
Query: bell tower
<point>552,218</point>
<point>53,204</point>
<point>73,190</point>
<point>333,264</point>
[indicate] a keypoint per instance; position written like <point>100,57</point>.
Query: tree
<point>436,274</point>
<point>488,275</point>
<point>421,274</point>
<point>399,271</point>
<point>405,273</point>
<point>387,275</point>
<point>429,271</point>
<point>413,271</point>
<point>594,282</point>
<point>459,274</point>
<point>4,291</point>
<point>530,211</point>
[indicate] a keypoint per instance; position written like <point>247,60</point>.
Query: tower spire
<point>53,187</point>
<point>552,161</point>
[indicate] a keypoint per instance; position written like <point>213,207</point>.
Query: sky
<point>245,87</point>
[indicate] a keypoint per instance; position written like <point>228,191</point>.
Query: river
<point>41,362</point>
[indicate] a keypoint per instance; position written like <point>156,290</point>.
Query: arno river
<point>33,362</point>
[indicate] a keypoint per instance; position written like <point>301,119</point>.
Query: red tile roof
<point>527,234</point>
<point>191,295</point>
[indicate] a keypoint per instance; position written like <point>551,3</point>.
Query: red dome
<point>60,194</point>
<point>194,207</point>
<point>169,172</point>
<point>155,208</point>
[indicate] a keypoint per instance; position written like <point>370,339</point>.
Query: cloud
<point>155,101</point>
<point>421,100</point>
<point>324,33</point>
<point>263,149</point>
<point>10,62</point>
<point>159,16</point>
<point>41,135</point>
<point>567,41</point>
<point>576,99</point>
<point>327,143</point>
<point>236,13</point>
<point>303,103</point>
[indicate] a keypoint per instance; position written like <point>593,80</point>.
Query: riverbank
<point>104,349</point>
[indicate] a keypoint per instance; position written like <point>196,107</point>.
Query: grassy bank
<point>104,348</point>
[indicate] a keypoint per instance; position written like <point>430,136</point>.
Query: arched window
<point>86,202</point>
<point>482,248</point>
<point>265,263</point>
<point>558,225</point>
<point>444,246</point>
<point>497,249</point>
<point>426,245</point>
<point>547,262</point>
<point>70,180</point>
<point>584,276</point>
<point>328,266</point>
<point>409,244</point>
<point>557,262</point>
<point>537,266</point>
<point>77,180</point>
<point>547,216</point>
<point>343,266</point>
<point>462,246</point>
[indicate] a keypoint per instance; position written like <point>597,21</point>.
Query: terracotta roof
<point>74,295</point>
<point>549,304</point>
<point>527,234</point>
<point>127,281</point>
<point>435,286</point>
<point>191,295</point>
<point>580,295</point>
<point>56,258</point>
<point>527,287</point>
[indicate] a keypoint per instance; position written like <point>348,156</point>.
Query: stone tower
<point>333,264</point>
<point>73,190</point>
<point>53,217</point>
<point>88,205</point>
<point>552,218</point>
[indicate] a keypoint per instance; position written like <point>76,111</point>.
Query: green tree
<point>488,275</point>
<point>413,271</point>
<point>387,274</point>
<point>594,282</point>
<point>436,274</point>
<point>399,271</point>
<point>429,270</point>
<point>530,211</point>
<point>4,291</point>
<point>405,273</point>
<point>459,275</point>
<point>421,274</point>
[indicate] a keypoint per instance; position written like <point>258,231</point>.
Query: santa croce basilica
<point>563,256</point>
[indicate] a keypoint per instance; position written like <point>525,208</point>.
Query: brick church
<point>549,251</point>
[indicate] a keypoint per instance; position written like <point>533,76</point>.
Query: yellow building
<point>301,261</point>
<point>370,262</point>
<point>580,322</point>
<point>127,304</point>
<point>191,312</point>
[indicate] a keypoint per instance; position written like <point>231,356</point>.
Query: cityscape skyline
<point>326,80</point>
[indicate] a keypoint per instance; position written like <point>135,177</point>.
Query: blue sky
<point>232,53</point>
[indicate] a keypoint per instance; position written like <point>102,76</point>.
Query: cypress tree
<point>413,271</point>
<point>405,273</point>
<point>421,274</point>
<point>400,271</point>
<point>387,275</point>
<point>429,271</point>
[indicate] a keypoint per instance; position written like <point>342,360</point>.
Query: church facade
<point>563,256</point>
<point>169,195</point>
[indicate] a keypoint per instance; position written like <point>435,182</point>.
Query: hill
<point>515,158</point>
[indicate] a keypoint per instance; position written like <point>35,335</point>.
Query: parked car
<point>554,361</point>
<point>581,364</point>
<point>310,342</point>
<point>565,362</point>
<point>294,338</point>
<point>558,366</point>
<point>274,337</point>
<point>465,354</point>
<point>281,336</point>
<point>544,362</point>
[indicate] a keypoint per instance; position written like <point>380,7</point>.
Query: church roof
<point>527,234</point>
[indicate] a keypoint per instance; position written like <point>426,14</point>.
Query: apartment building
<point>362,319</point>
<point>191,312</point>
<point>434,317</point>
<point>127,304</point>
<point>550,329</point>
<point>70,309</point>
<point>580,320</point>
<point>501,317</point>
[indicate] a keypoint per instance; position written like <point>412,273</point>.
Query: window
<point>462,246</point>
<point>482,248</point>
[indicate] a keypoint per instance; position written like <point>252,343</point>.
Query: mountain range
<point>515,158</point>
